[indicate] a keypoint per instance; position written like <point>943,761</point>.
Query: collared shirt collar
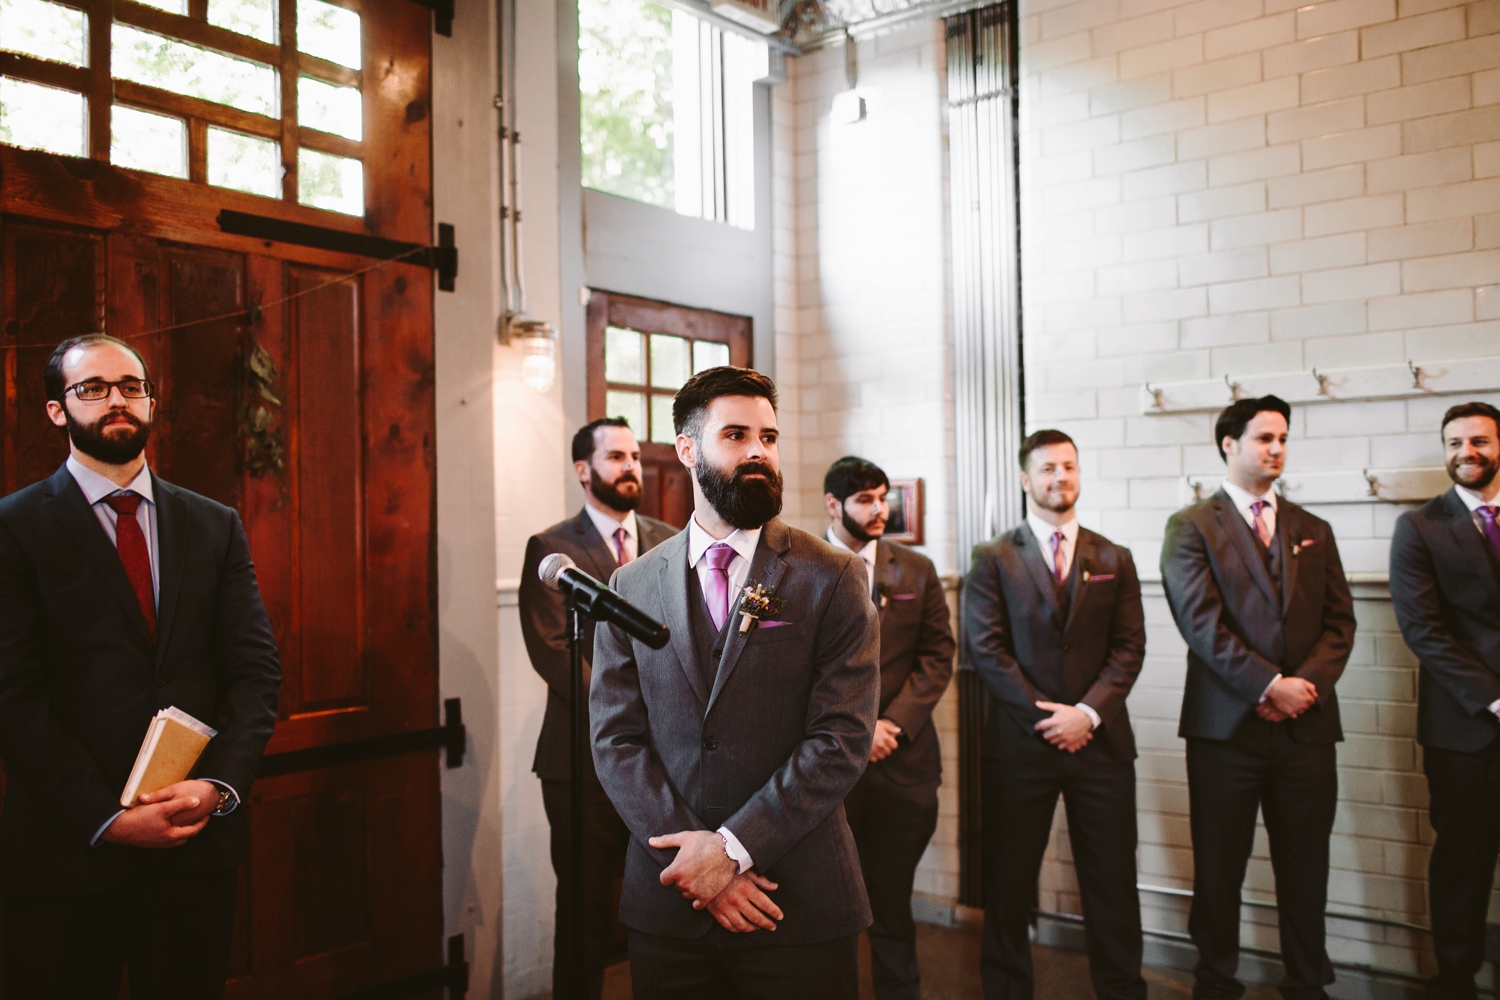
<point>865,552</point>
<point>607,526</point>
<point>1043,531</point>
<point>95,487</point>
<point>1473,500</point>
<point>1244,498</point>
<point>742,541</point>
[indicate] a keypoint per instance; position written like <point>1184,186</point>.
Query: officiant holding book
<point>121,596</point>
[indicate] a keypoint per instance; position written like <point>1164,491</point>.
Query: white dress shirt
<point>743,542</point>
<point>1043,531</point>
<point>607,526</point>
<point>866,554</point>
<point>1474,501</point>
<point>95,488</point>
<point>1243,499</point>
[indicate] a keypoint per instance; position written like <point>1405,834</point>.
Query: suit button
<point>718,653</point>
<point>709,743</point>
<point>1065,647</point>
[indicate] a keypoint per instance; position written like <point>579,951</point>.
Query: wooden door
<point>640,352</point>
<point>297,386</point>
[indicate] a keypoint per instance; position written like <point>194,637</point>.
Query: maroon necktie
<point>622,554</point>
<point>130,542</point>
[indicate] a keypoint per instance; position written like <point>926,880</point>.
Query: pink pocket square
<point>1098,577</point>
<point>767,624</point>
<point>1306,543</point>
<point>903,597</point>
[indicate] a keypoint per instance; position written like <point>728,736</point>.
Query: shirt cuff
<point>100,832</point>
<point>234,796</point>
<point>1093,715</point>
<point>1267,692</point>
<point>736,850</point>
<point>1495,706</point>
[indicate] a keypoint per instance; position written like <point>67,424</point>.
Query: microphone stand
<point>578,973</point>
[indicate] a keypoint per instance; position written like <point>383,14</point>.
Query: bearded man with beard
<point>729,752</point>
<point>893,810</point>
<point>605,535</point>
<point>121,594</point>
<point>1445,585</point>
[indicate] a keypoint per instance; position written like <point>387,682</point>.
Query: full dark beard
<point>1486,476</point>
<point>856,530</point>
<point>609,493</point>
<point>746,504</point>
<point>109,449</point>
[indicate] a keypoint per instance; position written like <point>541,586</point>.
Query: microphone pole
<point>578,973</point>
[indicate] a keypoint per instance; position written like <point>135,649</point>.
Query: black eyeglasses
<point>95,390</point>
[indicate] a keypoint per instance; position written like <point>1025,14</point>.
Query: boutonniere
<point>1306,543</point>
<point>883,594</point>
<point>757,603</point>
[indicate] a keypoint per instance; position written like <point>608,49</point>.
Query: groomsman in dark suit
<point>605,535</point>
<point>1258,592</point>
<point>893,810</point>
<point>1054,625</point>
<point>1445,584</point>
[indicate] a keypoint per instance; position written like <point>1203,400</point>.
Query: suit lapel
<point>672,584</point>
<point>1288,527</point>
<point>71,507</point>
<point>1085,558</point>
<point>171,538</point>
<point>766,568</point>
<point>1470,542</point>
<point>1041,573</point>
<point>1235,527</point>
<point>593,544</point>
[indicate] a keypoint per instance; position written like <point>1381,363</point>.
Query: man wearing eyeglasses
<point>120,595</point>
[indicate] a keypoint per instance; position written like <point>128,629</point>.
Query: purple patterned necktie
<point>1059,567</point>
<point>716,594</point>
<point>1262,529</point>
<point>1487,515</point>
<point>622,554</point>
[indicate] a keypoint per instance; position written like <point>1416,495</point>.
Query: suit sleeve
<point>1198,607</point>
<point>924,686</point>
<point>36,748</point>
<point>248,668</point>
<point>1127,646</point>
<point>839,731</point>
<point>1325,663</point>
<point>544,625</point>
<point>1455,665</point>
<point>988,634</point>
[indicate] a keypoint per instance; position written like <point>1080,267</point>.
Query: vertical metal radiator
<point>987,376</point>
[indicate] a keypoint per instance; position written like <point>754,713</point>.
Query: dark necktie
<point>622,554</point>
<point>1491,529</point>
<point>130,542</point>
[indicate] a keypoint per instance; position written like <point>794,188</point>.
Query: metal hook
<point>1374,482</point>
<point>1322,382</point>
<point>1197,487</point>
<point>1416,374</point>
<point>1158,399</point>
<point>1234,389</point>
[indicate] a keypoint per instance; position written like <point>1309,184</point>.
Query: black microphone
<point>597,601</point>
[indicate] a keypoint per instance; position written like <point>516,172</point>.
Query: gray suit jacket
<point>1025,651</point>
<point>544,626</point>
<point>769,751</point>
<point>1447,600</point>
<point>1226,607</point>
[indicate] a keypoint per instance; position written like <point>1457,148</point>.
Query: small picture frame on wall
<point>906,520</point>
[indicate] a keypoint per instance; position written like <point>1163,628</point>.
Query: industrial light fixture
<point>537,341</point>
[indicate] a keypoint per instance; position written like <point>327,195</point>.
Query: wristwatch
<point>225,797</point>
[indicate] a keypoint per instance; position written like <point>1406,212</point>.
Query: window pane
<point>45,30</point>
<point>669,361</point>
<point>329,109</point>
<point>631,406</point>
<point>624,356</point>
<point>708,354</point>
<point>328,32</point>
<point>42,117</point>
<point>625,89</point>
<point>174,6</point>
<point>662,431</point>
<point>336,183</point>
<point>186,69</point>
<point>143,141</point>
<point>256,18</point>
<point>244,163</point>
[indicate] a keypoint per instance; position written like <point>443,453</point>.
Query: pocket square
<point>1306,543</point>
<point>770,624</point>
<point>903,597</point>
<point>1097,577</point>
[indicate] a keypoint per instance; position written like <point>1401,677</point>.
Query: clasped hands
<point>1287,698</point>
<point>1067,728</point>
<point>708,876</point>
<point>169,817</point>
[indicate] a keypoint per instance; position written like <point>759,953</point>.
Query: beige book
<point>173,743</point>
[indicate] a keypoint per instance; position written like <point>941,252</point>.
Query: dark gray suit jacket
<point>1026,652</point>
<point>544,626</point>
<point>1447,600</point>
<point>1239,634</point>
<point>769,751</point>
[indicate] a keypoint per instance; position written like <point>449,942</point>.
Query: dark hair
<point>1041,439</point>
<point>1474,409</point>
<point>1237,416</point>
<point>708,385</point>
<point>52,375</point>
<point>851,474</point>
<point>585,441</point>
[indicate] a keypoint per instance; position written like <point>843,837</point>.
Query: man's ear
<point>833,505</point>
<point>1026,482</point>
<point>55,413</point>
<point>687,451</point>
<point>581,468</point>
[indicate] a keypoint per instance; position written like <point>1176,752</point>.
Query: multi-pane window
<point>643,371</point>
<point>667,109</point>
<point>261,96</point>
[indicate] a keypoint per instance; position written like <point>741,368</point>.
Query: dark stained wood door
<point>297,386</point>
<point>656,345</point>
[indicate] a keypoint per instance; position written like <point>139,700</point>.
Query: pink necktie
<point>1487,515</point>
<point>622,554</point>
<point>1059,568</point>
<point>130,542</point>
<point>717,595</point>
<point>1262,529</point>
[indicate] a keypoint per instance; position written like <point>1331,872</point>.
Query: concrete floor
<point>950,971</point>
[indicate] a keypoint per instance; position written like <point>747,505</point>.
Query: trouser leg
<point>825,970</point>
<point>1465,811</point>
<point>66,946</point>
<point>184,923</point>
<point>1298,804</point>
<point>605,839</point>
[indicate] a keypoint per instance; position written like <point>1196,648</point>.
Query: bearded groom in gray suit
<point>729,752</point>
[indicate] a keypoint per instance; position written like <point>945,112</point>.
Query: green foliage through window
<point>625,91</point>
